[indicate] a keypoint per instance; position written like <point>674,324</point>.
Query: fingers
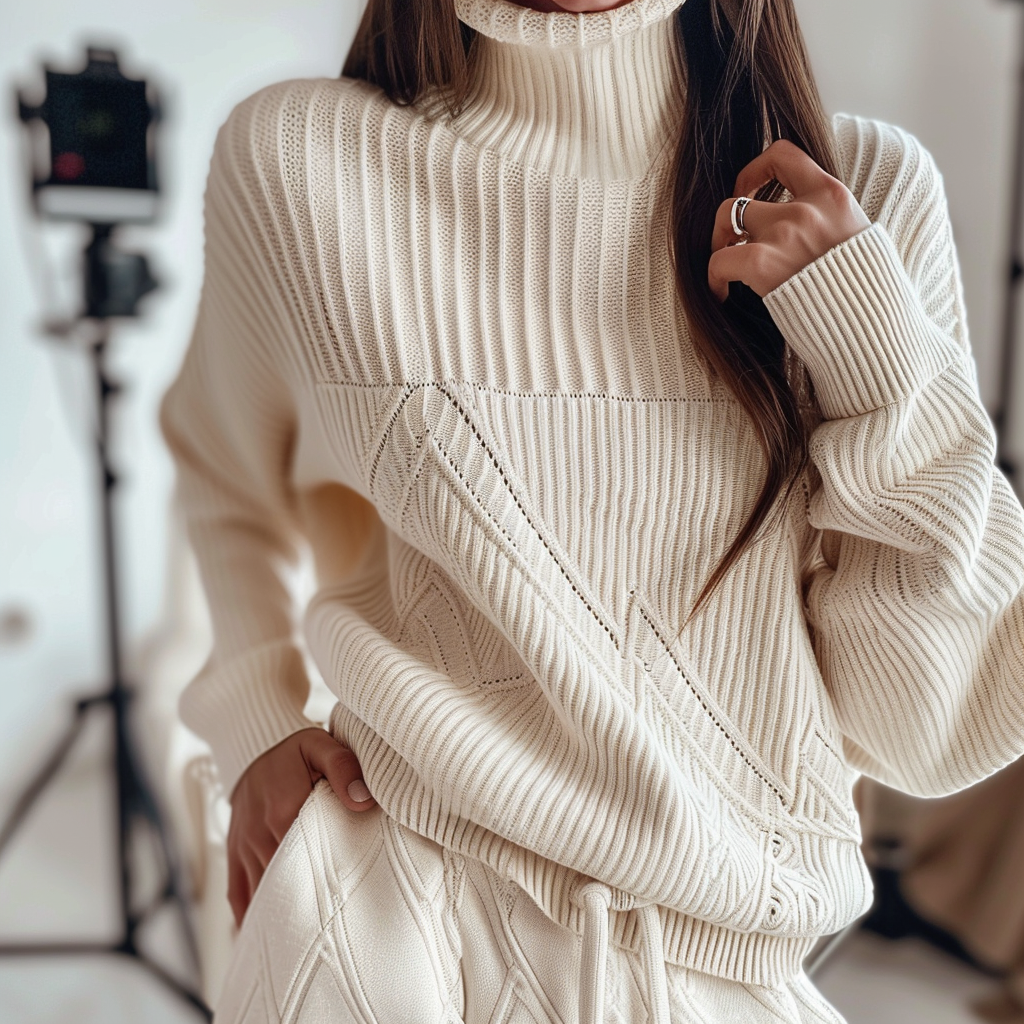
<point>736,263</point>
<point>758,218</point>
<point>268,797</point>
<point>240,887</point>
<point>786,162</point>
<point>263,845</point>
<point>250,849</point>
<point>339,765</point>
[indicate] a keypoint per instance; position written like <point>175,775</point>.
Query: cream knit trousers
<point>359,920</point>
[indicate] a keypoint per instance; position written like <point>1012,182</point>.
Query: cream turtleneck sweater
<point>450,360</point>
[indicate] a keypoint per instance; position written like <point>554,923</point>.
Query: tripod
<point>135,801</point>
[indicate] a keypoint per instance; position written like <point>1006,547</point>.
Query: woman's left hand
<point>782,238</point>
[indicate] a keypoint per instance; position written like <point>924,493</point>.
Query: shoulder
<point>895,179</point>
<point>274,127</point>
<point>307,98</point>
<point>883,164</point>
<point>295,142</point>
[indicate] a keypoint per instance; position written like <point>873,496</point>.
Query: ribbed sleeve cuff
<point>856,320</point>
<point>247,705</point>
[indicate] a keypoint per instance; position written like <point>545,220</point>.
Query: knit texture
<point>449,361</point>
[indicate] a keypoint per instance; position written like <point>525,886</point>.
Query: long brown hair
<point>748,83</point>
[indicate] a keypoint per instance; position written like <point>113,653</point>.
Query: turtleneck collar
<point>595,95</point>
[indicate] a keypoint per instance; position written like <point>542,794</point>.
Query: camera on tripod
<point>96,164</point>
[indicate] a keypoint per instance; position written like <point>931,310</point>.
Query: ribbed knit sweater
<point>449,360</point>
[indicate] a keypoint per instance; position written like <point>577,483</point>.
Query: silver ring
<point>737,215</point>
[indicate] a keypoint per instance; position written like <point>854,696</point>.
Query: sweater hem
<point>749,957</point>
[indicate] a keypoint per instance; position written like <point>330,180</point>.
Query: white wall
<point>940,68</point>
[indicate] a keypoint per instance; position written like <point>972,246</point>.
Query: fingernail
<point>358,791</point>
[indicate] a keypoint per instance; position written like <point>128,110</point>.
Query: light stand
<point>114,282</point>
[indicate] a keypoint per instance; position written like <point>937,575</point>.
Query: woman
<point>643,517</point>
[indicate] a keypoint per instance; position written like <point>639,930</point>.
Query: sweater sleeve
<point>915,594</point>
<point>229,421</point>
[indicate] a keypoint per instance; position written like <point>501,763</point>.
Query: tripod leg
<point>141,805</point>
<point>46,772</point>
<point>175,986</point>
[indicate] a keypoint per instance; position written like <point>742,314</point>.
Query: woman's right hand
<point>268,797</point>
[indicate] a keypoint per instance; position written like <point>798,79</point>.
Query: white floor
<point>56,880</point>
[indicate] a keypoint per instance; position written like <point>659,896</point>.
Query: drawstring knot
<point>598,900</point>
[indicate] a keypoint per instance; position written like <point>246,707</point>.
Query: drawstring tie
<point>596,899</point>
